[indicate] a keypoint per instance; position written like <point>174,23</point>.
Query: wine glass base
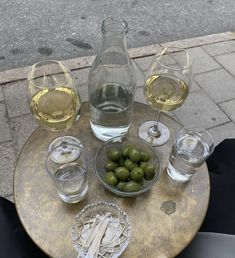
<point>65,153</point>
<point>153,140</point>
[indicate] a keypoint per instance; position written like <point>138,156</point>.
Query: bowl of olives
<point>127,165</point>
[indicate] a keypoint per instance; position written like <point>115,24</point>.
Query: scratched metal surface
<point>163,220</point>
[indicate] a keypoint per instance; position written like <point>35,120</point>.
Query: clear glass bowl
<point>119,142</point>
<point>116,236</point>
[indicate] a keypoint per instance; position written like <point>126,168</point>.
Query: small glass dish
<point>115,237</point>
<point>119,142</point>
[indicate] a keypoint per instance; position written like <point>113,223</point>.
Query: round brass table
<point>163,220</point>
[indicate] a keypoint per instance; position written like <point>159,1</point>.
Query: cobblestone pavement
<point>210,104</point>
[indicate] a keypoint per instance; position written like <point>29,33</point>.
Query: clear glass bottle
<point>111,83</point>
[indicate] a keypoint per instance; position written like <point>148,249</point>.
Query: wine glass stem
<point>64,146</point>
<point>154,131</point>
<point>63,141</point>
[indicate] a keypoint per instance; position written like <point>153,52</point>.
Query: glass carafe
<point>111,83</point>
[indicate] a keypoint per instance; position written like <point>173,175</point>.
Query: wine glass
<point>55,104</point>
<point>165,89</point>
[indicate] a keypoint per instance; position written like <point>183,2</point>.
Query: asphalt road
<point>33,30</point>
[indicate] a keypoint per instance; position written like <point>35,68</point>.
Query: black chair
<point>15,243</point>
<point>210,245</point>
<point>217,239</point>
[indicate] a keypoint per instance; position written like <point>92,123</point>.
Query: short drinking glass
<point>70,178</point>
<point>191,148</point>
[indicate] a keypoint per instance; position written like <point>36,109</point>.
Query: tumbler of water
<point>70,177</point>
<point>191,148</point>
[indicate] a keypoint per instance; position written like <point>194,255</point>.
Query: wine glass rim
<point>169,50</point>
<point>45,62</point>
<point>194,129</point>
<point>199,131</point>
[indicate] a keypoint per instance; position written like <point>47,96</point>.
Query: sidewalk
<point>210,104</point>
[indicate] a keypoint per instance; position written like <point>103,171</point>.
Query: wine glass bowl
<point>166,88</point>
<point>53,99</point>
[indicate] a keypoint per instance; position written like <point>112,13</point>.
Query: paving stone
<point>140,75</point>
<point>16,98</point>
<point>1,94</point>
<point>13,75</point>
<point>139,95</point>
<point>143,51</point>
<point>81,75</point>
<point>219,84</point>
<point>144,62</point>
<point>199,41</point>
<point>83,91</point>
<point>194,87</point>
<point>7,161</point>
<point>22,127</point>
<point>228,62</point>
<point>229,108</point>
<point>5,134</point>
<point>199,110</point>
<point>220,48</point>
<point>79,62</point>
<point>222,132</point>
<point>202,62</point>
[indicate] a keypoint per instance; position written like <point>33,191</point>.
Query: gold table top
<point>163,220</point>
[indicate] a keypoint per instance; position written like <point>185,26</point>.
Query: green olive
<point>132,186</point>
<point>137,174</point>
<point>134,155</point>
<point>125,150</point>
<point>129,164</point>
<point>111,165</point>
<point>111,179</point>
<point>122,173</point>
<point>149,172</point>
<point>144,156</point>
<point>143,165</point>
<point>121,185</point>
<point>121,161</point>
<point>113,154</point>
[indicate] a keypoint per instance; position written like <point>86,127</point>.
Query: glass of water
<point>70,177</point>
<point>191,148</point>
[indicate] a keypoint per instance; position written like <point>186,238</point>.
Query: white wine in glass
<point>165,89</point>
<point>165,92</point>
<point>54,102</point>
<point>55,109</point>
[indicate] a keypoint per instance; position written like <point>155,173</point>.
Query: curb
<point>86,61</point>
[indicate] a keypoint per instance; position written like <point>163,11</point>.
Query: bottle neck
<point>114,33</point>
<point>113,49</point>
<point>114,40</point>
